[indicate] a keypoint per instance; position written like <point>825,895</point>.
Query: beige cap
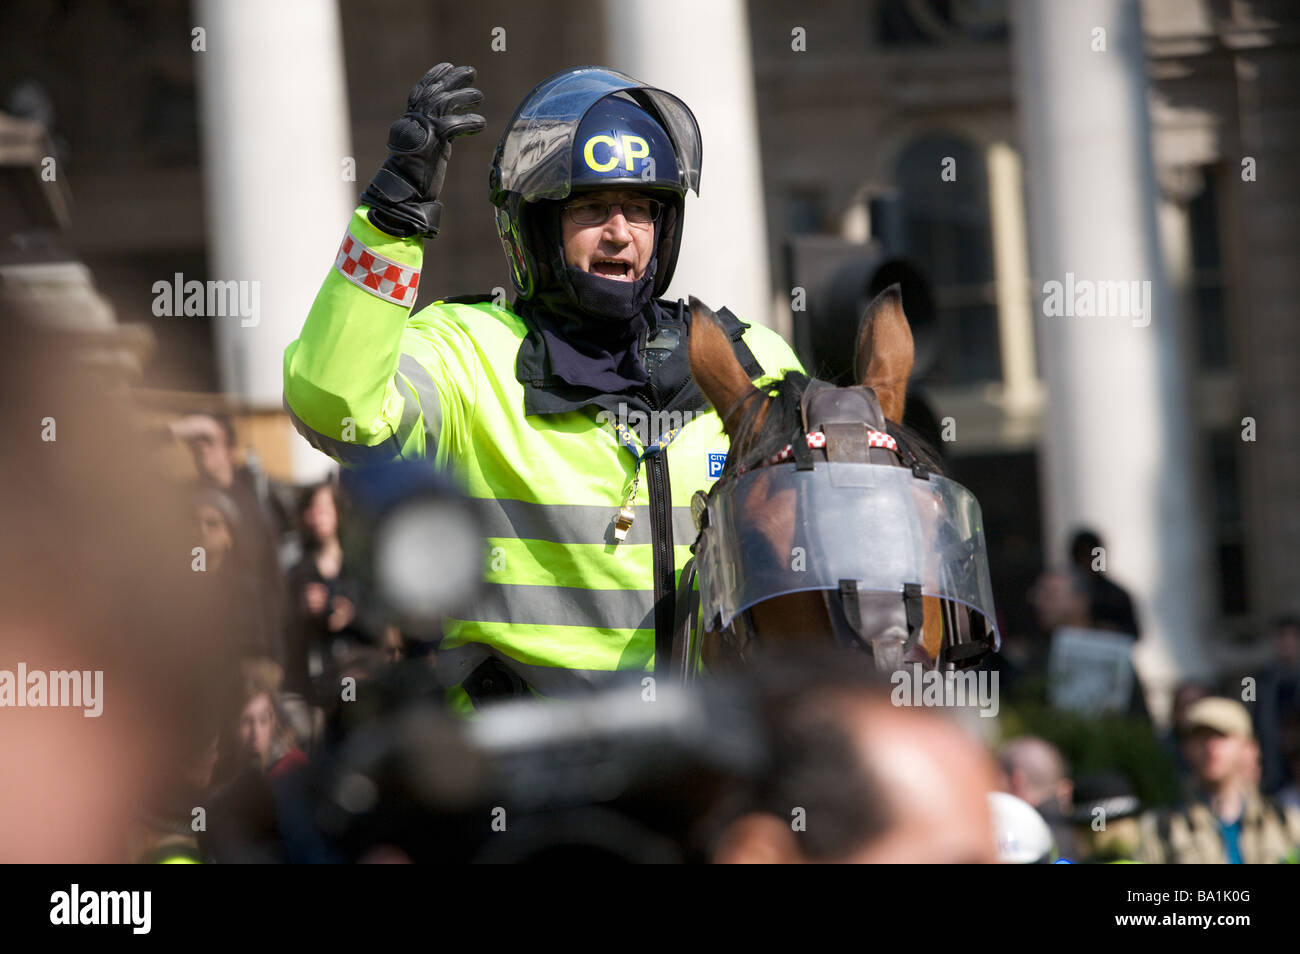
<point>1221,715</point>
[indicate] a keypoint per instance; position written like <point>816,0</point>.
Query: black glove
<point>402,195</point>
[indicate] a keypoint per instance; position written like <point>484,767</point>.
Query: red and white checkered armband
<point>382,277</point>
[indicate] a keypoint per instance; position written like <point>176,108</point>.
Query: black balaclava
<point>588,327</point>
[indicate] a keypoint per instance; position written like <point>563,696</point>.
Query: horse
<point>811,467</point>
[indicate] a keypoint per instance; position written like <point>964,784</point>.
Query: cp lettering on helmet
<point>633,147</point>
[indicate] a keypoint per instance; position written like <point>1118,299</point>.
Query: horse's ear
<point>721,378</point>
<point>885,351</point>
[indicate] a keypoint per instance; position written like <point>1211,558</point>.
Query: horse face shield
<point>884,546</point>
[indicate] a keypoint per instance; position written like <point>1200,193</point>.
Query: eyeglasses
<point>639,212</point>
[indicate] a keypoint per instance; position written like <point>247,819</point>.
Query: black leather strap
<point>915,609</point>
<point>803,455</point>
<point>686,613</point>
<point>852,609</point>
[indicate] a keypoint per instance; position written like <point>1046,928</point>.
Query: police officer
<point>571,414</point>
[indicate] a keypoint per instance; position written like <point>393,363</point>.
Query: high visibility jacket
<point>564,601</point>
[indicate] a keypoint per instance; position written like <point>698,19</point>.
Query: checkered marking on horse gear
<point>380,276</point>
<point>817,441</point>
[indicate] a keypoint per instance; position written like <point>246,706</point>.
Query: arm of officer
<point>351,386</point>
<point>362,383</point>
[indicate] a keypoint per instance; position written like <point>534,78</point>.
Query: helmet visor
<point>778,530</point>
<point>538,146</point>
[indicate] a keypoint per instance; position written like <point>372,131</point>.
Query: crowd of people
<point>1231,754</point>
<point>278,562</point>
<point>303,620</point>
<point>1221,816</point>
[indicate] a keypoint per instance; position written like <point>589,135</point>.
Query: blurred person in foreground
<point>1277,711</point>
<point>1035,771</point>
<point>95,577</point>
<point>212,443</point>
<point>1058,598</point>
<point>1105,816</point>
<point>323,596</point>
<point>1109,604</point>
<point>855,779</point>
<point>259,809</point>
<point>1062,599</point>
<point>1223,818</point>
<point>1186,694</point>
<point>162,831</point>
<point>1289,796</point>
<point>1023,837</point>
<point>221,529</point>
<point>264,731</point>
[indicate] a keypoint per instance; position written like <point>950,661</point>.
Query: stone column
<point>700,52</point>
<point>1266,332</point>
<point>274,123</point>
<point>1118,421</point>
<point>1011,268</point>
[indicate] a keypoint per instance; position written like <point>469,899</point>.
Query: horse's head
<point>830,522</point>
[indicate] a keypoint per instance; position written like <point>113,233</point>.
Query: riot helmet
<point>584,129</point>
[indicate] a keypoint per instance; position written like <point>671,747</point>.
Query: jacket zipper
<point>661,532</point>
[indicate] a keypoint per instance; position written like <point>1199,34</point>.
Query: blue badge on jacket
<point>715,464</point>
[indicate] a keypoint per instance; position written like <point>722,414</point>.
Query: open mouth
<point>610,268</point>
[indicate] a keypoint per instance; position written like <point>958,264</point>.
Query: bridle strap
<point>849,611</point>
<point>816,440</point>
